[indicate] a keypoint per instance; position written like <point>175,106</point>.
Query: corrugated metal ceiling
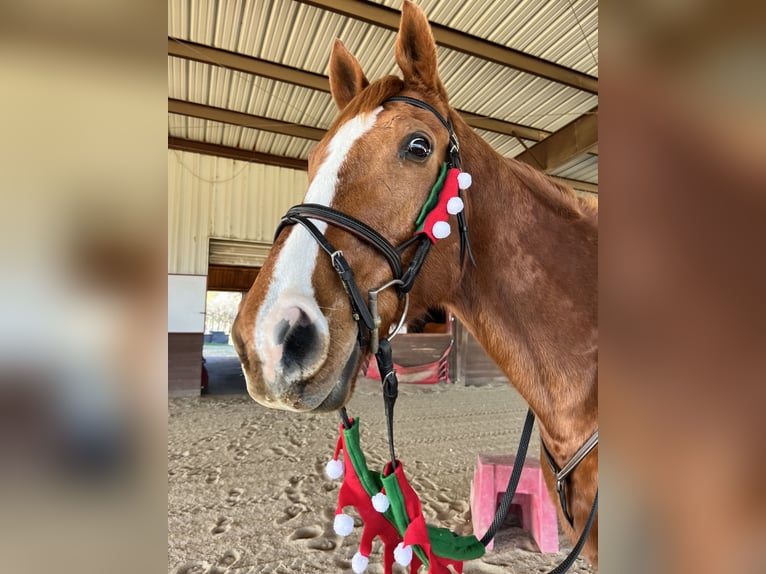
<point>295,34</point>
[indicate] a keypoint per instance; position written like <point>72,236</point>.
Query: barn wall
<point>217,197</point>
<point>223,198</point>
<point>470,363</point>
<point>184,364</point>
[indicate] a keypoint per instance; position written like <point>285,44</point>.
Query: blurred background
<point>83,109</point>
<point>683,86</point>
<point>82,296</point>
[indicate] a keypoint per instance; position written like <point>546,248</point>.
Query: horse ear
<point>346,76</point>
<point>416,49</point>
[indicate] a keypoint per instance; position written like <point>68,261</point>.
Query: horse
<point>520,273</point>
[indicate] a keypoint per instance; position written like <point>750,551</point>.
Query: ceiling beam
<point>388,18</point>
<point>279,72</point>
<point>205,112</point>
<point>236,153</point>
<point>211,113</point>
<point>576,138</point>
<point>297,163</point>
<point>502,127</point>
<point>247,64</point>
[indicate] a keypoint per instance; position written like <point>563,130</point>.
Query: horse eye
<point>419,148</point>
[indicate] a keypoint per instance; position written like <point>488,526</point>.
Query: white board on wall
<point>186,303</point>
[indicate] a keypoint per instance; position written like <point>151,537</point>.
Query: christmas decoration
<point>443,201</point>
<point>391,510</point>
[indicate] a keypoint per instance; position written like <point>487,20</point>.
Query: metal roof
<point>529,66</point>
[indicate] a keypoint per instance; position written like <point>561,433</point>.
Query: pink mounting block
<point>538,514</point>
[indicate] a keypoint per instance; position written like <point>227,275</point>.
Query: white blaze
<point>297,259</point>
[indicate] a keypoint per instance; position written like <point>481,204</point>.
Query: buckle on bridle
<point>334,255</point>
<point>373,307</point>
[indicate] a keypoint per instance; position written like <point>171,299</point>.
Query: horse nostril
<point>299,338</point>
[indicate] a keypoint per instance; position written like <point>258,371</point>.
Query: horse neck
<point>531,300</point>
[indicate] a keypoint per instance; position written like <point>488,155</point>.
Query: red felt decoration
<point>440,213</point>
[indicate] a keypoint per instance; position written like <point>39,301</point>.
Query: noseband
<point>366,314</point>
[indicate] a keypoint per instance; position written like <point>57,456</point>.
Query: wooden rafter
<point>279,72</point>
<point>576,138</point>
<point>247,64</point>
<point>241,119</point>
<point>388,18</point>
<point>236,153</point>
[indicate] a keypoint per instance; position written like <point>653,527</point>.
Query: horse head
<point>296,334</point>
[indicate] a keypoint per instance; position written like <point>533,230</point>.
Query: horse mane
<point>555,195</point>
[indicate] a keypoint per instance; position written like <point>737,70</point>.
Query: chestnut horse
<point>530,298</point>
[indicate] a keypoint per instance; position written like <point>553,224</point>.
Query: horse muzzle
<point>294,367</point>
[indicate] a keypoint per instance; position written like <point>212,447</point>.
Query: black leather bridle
<point>365,313</point>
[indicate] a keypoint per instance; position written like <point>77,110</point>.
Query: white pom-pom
<point>359,563</point>
<point>464,180</point>
<point>403,554</point>
<point>454,205</point>
<point>441,229</point>
<point>343,524</point>
<point>380,502</point>
<point>334,469</point>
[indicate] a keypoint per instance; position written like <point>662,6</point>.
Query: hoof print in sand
<point>291,512</point>
<point>234,495</point>
<point>324,544</point>
<point>305,533</point>
<point>222,525</point>
<point>193,568</point>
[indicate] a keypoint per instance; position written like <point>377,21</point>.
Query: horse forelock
<point>367,100</point>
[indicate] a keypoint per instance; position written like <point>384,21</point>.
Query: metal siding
<point>238,252</point>
<point>248,93</point>
<point>177,126</point>
<point>553,30</point>
<point>188,211</point>
<point>503,145</point>
<point>583,168</point>
<point>218,197</point>
<point>298,35</point>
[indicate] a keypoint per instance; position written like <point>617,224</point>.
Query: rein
<point>390,392</point>
<point>368,321</point>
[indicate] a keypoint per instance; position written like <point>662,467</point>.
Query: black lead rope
<point>510,492</point>
<point>384,358</point>
<point>575,552</point>
<point>513,481</point>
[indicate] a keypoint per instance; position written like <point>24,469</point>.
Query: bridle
<point>368,320</point>
<point>365,314</point>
